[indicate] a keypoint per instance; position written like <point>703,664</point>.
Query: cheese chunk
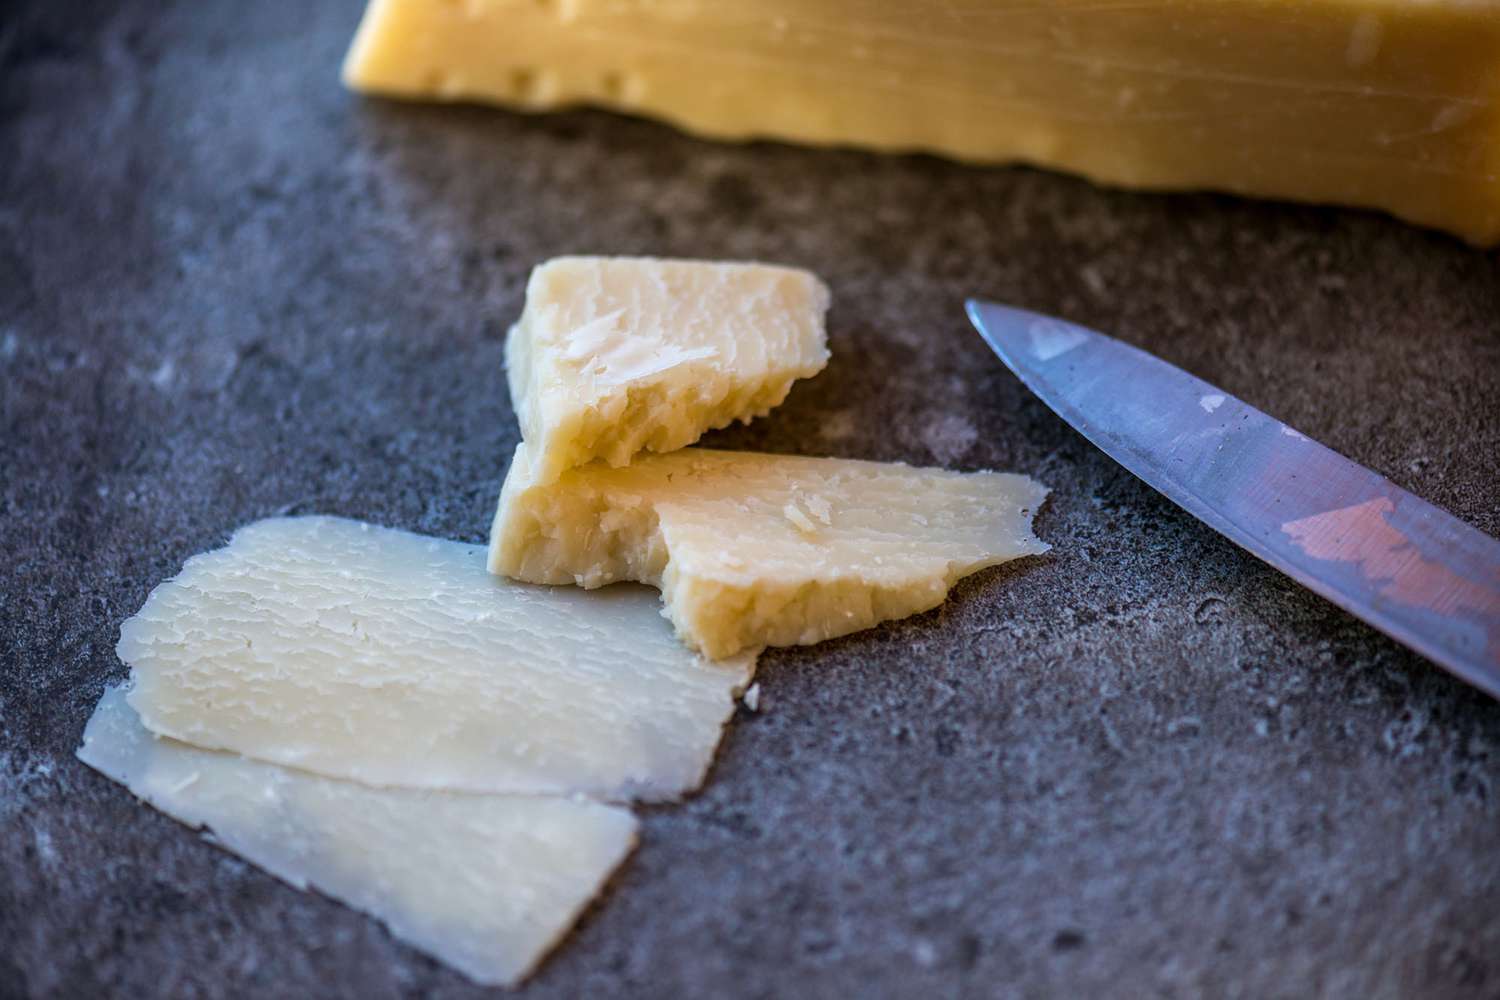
<point>485,883</point>
<point>754,550</point>
<point>617,355</point>
<point>393,659</point>
<point>1389,104</point>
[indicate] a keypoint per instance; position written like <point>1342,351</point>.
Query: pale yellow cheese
<point>486,883</point>
<point>1390,104</point>
<point>617,355</point>
<point>394,659</point>
<point>752,550</point>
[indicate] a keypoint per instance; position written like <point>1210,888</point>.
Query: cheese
<point>486,883</point>
<point>617,355</point>
<point>753,550</point>
<point>390,658</point>
<point>1390,104</point>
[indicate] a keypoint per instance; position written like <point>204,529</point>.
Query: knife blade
<point>1415,572</point>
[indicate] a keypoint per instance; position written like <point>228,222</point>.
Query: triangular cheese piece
<point>752,550</point>
<point>394,659</point>
<point>485,883</point>
<point>614,356</point>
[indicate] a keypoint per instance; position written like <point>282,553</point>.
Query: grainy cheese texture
<point>617,355</point>
<point>394,659</point>
<point>486,883</point>
<point>1390,104</point>
<point>752,550</point>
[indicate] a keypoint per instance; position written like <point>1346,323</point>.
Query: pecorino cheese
<point>394,659</point>
<point>486,883</point>
<point>618,355</point>
<point>1388,104</point>
<point>752,550</point>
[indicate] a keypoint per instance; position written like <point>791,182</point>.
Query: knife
<point>1418,574</point>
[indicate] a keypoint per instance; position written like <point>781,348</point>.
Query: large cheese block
<point>618,355</point>
<point>1390,104</point>
<point>394,659</point>
<point>486,883</point>
<point>753,550</point>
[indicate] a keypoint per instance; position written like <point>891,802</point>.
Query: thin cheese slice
<point>390,658</point>
<point>485,883</point>
<point>1391,104</point>
<point>753,550</point>
<point>617,355</point>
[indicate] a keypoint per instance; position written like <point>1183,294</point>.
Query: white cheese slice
<point>485,883</point>
<point>617,355</point>
<point>395,659</point>
<point>752,550</point>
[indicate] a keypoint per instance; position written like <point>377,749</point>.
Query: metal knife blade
<point>1415,572</point>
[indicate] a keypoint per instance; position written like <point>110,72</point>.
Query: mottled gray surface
<point>1143,765</point>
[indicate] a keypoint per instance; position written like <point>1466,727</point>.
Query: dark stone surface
<point>1143,765</point>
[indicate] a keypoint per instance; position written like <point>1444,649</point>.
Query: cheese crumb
<point>799,519</point>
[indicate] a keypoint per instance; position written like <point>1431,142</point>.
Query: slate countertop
<point>1142,765</point>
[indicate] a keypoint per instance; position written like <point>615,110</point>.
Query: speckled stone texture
<point>1144,765</point>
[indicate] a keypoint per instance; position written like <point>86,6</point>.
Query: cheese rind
<point>485,883</point>
<point>394,659</point>
<point>752,550</point>
<point>1389,104</point>
<point>617,355</point>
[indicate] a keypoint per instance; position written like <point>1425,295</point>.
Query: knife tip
<point>990,319</point>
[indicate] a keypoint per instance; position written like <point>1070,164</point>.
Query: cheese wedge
<point>393,659</point>
<point>1389,104</point>
<point>754,550</point>
<point>485,883</point>
<point>618,355</point>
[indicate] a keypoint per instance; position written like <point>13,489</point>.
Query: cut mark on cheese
<point>752,550</point>
<point>485,883</point>
<point>394,659</point>
<point>613,356</point>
